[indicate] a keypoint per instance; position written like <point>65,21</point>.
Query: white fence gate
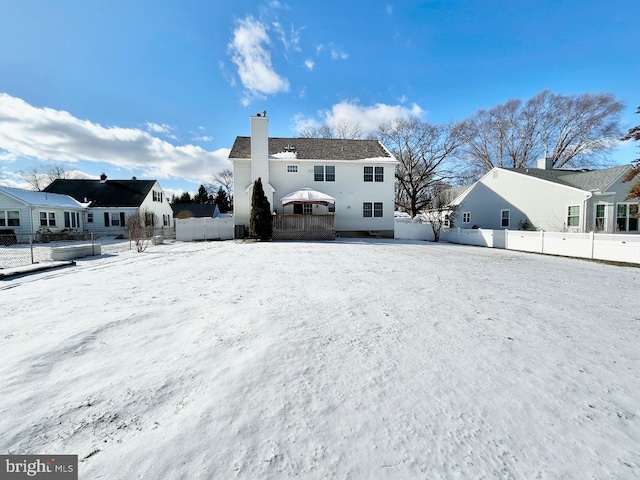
<point>196,229</point>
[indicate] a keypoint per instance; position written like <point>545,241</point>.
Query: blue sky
<point>160,89</point>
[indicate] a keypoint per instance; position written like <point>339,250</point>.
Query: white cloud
<point>203,138</point>
<point>389,9</point>
<point>55,135</point>
<point>309,64</point>
<point>351,112</point>
<point>337,54</point>
<point>250,53</point>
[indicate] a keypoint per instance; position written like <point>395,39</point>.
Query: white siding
<point>11,204</point>
<point>241,198</point>
<point>544,204</point>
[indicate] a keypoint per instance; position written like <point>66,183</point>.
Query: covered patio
<point>300,222</point>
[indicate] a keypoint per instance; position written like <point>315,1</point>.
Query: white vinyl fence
<point>413,231</point>
<point>198,229</point>
<point>599,246</point>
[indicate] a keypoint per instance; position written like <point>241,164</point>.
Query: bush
<point>260,223</point>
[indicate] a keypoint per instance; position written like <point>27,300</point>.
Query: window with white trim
<point>331,208</point>
<point>307,209</point>
<point>71,219</point>
<point>322,173</point>
<point>600,217</point>
<point>377,209</point>
<point>504,218</point>
<point>9,218</point>
<point>466,217</point>
<point>89,217</point>
<point>47,219</point>
<point>157,196</point>
<point>627,217</point>
<point>573,216</point>
<point>292,168</point>
<point>372,209</point>
<point>372,174</point>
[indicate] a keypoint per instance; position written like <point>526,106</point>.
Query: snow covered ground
<point>349,359</point>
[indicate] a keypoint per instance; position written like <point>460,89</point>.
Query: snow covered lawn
<point>349,359</point>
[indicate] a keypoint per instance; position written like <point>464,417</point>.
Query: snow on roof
<point>292,155</point>
<point>42,199</point>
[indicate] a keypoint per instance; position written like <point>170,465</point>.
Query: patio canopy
<point>307,195</point>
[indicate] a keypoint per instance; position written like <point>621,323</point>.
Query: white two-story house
<point>354,179</point>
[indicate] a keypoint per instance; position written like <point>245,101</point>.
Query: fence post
<point>93,245</point>
<point>31,246</point>
<point>593,240</point>
<point>541,241</point>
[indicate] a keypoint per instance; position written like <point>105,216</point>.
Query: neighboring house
<point>195,210</point>
<point>28,211</point>
<point>356,177</point>
<point>111,202</point>
<point>549,199</point>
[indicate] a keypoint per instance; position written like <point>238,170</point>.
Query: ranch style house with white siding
<point>554,200</point>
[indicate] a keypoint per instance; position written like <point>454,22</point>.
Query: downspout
<point>584,211</point>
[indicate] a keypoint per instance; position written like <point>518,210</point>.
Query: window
<point>600,209</point>
<point>446,221</point>
<point>47,219</point>
<point>466,217</point>
<point>9,218</point>
<point>115,219</point>
<point>149,219</point>
<point>370,209</point>
<point>292,168</point>
<point>367,209</point>
<point>627,217</point>
<point>369,174</point>
<point>504,216</point>
<point>89,217</point>
<point>377,209</point>
<point>330,172</point>
<point>573,216</point>
<point>71,219</point>
<point>157,196</point>
<point>322,173</point>
<point>307,208</point>
<point>331,208</point>
<point>166,220</point>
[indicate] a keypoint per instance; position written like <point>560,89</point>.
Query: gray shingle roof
<point>315,148</point>
<point>583,179</point>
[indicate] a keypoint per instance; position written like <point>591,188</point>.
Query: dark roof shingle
<point>111,193</point>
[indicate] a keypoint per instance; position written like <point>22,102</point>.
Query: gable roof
<point>42,199</point>
<point>315,148</point>
<point>587,180</point>
<point>199,210</point>
<point>110,193</point>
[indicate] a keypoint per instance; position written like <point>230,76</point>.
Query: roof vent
<point>103,177</point>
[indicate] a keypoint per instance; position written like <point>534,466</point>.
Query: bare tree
<point>342,128</point>
<point>439,211</point>
<point>572,130</point>
<point>423,150</point>
<point>141,227</point>
<point>224,179</point>
<point>633,134</point>
<point>40,177</point>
